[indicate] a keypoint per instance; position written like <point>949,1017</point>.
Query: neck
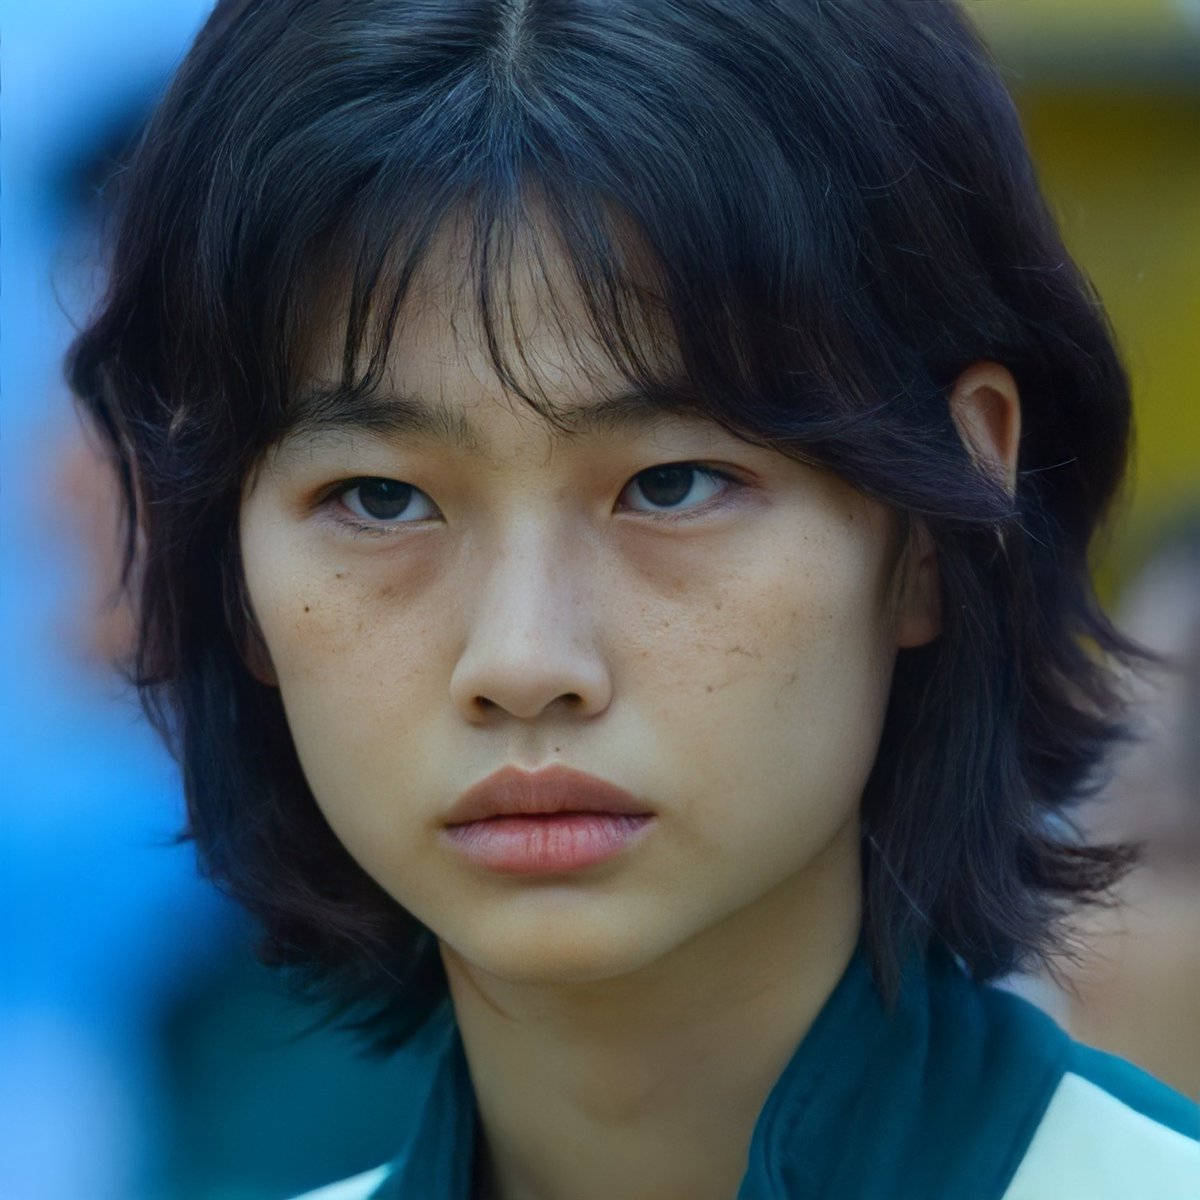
<point>648,1086</point>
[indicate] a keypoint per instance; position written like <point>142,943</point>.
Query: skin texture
<point>534,606</point>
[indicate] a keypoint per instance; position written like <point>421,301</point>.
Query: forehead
<point>508,325</point>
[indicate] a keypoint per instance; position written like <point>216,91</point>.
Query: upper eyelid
<point>726,472</point>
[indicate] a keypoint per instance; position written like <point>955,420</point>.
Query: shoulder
<point>1109,1132</point>
<point>358,1187</point>
<point>1058,1120</point>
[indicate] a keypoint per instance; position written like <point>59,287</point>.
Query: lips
<point>511,792</point>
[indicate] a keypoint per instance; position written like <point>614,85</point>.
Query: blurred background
<point>145,1055</point>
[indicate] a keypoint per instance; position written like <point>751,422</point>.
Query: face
<point>717,639</point>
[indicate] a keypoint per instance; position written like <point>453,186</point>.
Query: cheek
<point>349,648</point>
<point>331,624</point>
<point>794,619</point>
<point>778,690</point>
<point>353,668</point>
<point>356,690</point>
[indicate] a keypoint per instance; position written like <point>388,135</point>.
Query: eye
<point>376,501</point>
<point>668,486</point>
<point>673,491</point>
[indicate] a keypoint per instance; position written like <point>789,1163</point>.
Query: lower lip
<point>543,845</point>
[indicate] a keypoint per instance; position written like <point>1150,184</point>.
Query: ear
<point>256,658</point>
<point>985,406</point>
<point>247,637</point>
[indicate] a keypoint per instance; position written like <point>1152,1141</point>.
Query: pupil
<point>666,485</point>
<point>383,498</point>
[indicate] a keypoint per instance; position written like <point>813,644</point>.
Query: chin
<point>559,957</point>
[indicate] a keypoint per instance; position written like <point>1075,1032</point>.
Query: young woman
<point>611,486</point>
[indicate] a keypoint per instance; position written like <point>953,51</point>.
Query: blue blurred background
<point>144,1054</point>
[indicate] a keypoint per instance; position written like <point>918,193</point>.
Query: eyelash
<point>381,528</point>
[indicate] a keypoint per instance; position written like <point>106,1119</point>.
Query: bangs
<point>513,267</point>
<point>754,293</point>
<point>751,348</point>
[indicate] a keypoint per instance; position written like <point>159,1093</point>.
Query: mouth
<point>553,821</point>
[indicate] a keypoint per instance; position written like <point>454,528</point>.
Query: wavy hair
<point>841,214</point>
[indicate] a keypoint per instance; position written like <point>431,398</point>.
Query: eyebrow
<point>402,415</point>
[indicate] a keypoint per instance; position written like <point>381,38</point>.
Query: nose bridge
<point>527,578</point>
<point>530,638</point>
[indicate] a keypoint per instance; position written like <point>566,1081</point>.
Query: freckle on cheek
<point>743,651</point>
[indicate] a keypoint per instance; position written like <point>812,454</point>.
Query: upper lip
<point>511,791</point>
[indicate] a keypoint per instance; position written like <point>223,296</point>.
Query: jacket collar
<point>938,1096</point>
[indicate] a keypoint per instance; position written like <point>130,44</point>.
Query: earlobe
<point>247,637</point>
<point>919,613</point>
<point>256,658</point>
<point>985,406</point>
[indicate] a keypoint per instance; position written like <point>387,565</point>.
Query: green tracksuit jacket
<point>962,1092</point>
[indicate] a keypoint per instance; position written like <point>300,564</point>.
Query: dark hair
<point>841,215</point>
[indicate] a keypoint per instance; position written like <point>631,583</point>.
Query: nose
<point>531,645</point>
